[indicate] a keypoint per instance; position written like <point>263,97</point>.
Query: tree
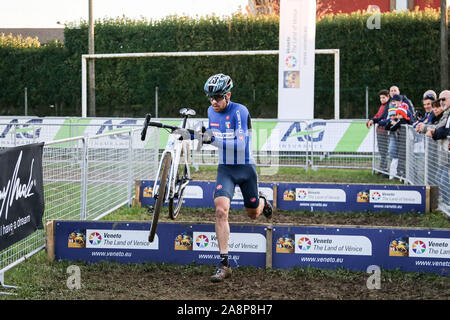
<point>264,7</point>
<point>324,7</point>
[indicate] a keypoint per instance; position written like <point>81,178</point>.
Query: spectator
<point>430,92</point>
<point>411,111</point>
<point>393,152</point>
<point>382,137</point>
<point>431,151</point>
<point>440,133</point>
<point>441,110</point>
<point>403,117</point>
<point>428,99</point>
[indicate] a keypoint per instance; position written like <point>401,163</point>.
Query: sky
<point>46,13</point>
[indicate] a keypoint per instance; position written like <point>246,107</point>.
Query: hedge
<point>404,52</point>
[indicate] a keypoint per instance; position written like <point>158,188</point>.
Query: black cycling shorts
<point>243,175</point>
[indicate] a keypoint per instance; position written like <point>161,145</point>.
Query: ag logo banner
<point>21,193</point>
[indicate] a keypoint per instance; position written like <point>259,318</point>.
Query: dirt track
<point>111,281</point>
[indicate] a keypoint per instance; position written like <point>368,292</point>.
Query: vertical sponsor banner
<point>21,193</point>
<point>296,59</point>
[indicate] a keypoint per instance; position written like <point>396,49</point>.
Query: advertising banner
<point>199,194</point>
<point>351,197</point>
<point>268,135</point>
<point>21,193</point>
<point>330,247</point>
<point>21,131</point>
<point>311,197</point>
<point>296,59</point>
<point>317,136</point>
<point>127,242</point>
<point>411,250</point>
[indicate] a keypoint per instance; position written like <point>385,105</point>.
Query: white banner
<point>429,248</point>
<point>119,239</point>
<point>331,244</point>
<point>238,242</point>
<point>296,59</point>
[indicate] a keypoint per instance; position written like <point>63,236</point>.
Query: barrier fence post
<point>426,160</point>
<point>4,286</point>
<point>275,191</point>
<point>50,240</point>
<point>310,142</point>
<point>373,147</point>
<point>84,177</point>
<point>130,165</point>
<point>409,155</point>
<point>269,236</point>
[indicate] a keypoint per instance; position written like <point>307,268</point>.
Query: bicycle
<point>173,173</point>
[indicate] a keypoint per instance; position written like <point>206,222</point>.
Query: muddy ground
<point>45,280</point>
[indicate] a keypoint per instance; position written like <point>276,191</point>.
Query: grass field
<point>40,279</point>
<point>300,175</point>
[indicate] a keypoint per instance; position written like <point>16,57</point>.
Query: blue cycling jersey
<point>231,129</point>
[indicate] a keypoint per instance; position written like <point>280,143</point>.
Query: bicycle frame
<point>174,147</point>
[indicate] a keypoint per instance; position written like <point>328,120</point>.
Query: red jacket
<point>377,117</point>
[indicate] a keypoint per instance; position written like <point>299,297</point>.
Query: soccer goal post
<point>86,57</point>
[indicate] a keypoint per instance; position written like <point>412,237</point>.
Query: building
<point>256,7</point>
<point>348,6</point>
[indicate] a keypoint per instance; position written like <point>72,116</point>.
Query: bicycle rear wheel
<point>163,180</point>
<point>181,178</point>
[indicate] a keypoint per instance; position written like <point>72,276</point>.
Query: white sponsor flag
<point>296,59</point>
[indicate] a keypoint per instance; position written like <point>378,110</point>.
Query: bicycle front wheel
<point>161,193</point>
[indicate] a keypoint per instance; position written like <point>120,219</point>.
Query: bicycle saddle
<point>186,112</point>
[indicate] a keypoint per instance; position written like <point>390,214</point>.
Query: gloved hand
<point>184,134</point>
<point>207,136</point>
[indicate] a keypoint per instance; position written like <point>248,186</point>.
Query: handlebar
<point>147,123</point>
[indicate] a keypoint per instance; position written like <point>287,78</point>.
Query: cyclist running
<point>230,131</point>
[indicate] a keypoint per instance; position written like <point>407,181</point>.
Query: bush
<point>404,52</point>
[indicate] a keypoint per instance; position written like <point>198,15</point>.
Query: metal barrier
<point>345,144</point>
<point>306,144</point>
<point>390,152</point>
<point>421,160</point>
<point>86,178</point>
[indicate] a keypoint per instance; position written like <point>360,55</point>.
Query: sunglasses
<point>217,98</point>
